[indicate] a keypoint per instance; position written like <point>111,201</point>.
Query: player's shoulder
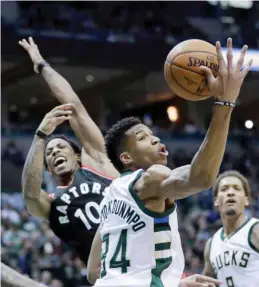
<point>128,176</point>
<point>90,171</point>
<point>253,234</point>
<point>208,245</point>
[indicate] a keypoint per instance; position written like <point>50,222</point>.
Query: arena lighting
<point>245,4</point>
<point>250,54</point>
<point>249,124</point>
<point>172,113</point>
<point>13,108</point>
<point>89,78</point>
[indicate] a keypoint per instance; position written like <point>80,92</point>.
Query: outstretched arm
<point>83,126</point>
<point>36,199</point>
<point>203,170</point>
<point>11,278</point>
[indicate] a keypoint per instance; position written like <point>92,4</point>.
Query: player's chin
<point>162,160</point>
<point>62,171</point>
<point>230,211</point>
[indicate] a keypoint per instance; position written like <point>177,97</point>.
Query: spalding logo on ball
<point>182,69</point>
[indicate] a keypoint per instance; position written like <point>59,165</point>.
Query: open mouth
<point>59,161</point>
<point>231,201</point>
<point>163,150</point>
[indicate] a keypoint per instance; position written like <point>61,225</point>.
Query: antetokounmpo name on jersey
<point>230,258</point>
<point>91,213</point>
<point>123,210</point>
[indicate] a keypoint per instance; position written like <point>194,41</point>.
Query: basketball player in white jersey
<point>232,254</point>
<point>138,236</point>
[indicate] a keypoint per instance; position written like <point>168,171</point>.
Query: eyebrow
<point>143,131</point>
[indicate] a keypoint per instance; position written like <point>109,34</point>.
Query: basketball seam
<point>188,70</point>
<point>194,52</point>
<point>181,85</point>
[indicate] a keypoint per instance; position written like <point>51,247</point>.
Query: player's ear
<point>246,201</point>
<point>216,202</point>
<point>125,158</point>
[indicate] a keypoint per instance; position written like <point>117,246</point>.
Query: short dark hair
<point>74,145</point>
<point>233,173</point>
<point>113,139</point>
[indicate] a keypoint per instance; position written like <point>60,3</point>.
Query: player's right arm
<point>36,199</point>
<point>94,260</point>
<point>208,270</point>
<point>82,124</point>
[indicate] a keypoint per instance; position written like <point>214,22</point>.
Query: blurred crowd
<point>137,21</point>
<point>30,247</point>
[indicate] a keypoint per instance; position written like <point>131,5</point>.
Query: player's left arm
<point>82,124</point>
<point>254,239</point>
<point>94,260</point>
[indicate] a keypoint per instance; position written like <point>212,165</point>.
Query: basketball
<point>182,69</point>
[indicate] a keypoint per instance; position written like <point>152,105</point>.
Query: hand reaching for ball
<point>226,86</point>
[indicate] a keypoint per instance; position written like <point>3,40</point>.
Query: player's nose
<point>155,140</point>
<point>230,192</point>
<point>55,152</point>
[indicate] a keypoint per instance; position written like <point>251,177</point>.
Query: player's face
<point>60,156</point>
<point>143,148</point>
<point>231,198</point>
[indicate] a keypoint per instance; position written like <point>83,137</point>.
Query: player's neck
<point>231,224</point>
<point>67,178</point>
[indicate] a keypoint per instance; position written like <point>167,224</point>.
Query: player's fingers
<point>206,279</point>
<point>222,64</point>
<point>24,44</point>
<point>229,54</point>
<point>63,107</point>
<point>31,41</point>
<point>62,119</point>
<point>59,113</point>
<point>247,68</point>
<point>241,58</point>
<point>208,73</point>
<point>197,284</point>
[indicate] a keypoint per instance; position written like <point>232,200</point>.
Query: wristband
<point>221,103</point>
<point>42,65</point>
<point>41,134</point>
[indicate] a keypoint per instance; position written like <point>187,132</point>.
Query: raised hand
<point>226,86</point>
<point>55,117</point>
<point>33,52</point>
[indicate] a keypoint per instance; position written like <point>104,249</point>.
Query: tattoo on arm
<point>33,168</point>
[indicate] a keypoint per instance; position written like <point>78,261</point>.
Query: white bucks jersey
<point>235,260</point>
<point>140,248</point>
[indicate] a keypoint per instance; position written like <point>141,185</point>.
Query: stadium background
<point>112,53</point>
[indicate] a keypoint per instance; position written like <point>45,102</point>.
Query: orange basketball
<point>182,69</point>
